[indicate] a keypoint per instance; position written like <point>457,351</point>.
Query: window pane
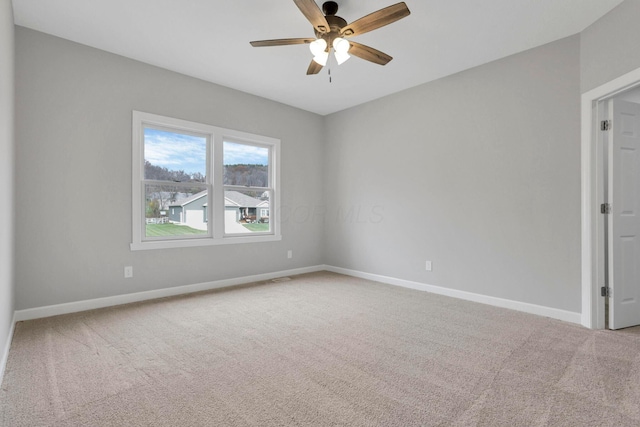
<point>246,212</point>
<point>175,211</point>
<point>246,165</point>
<point>174,156</point>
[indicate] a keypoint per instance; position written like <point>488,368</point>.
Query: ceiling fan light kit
<point>331,32</point>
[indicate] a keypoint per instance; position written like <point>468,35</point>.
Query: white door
<point>624,224</point>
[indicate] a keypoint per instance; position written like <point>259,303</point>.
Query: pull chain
<point>329,70</point>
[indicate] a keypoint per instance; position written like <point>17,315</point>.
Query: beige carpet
<point>319,350</point>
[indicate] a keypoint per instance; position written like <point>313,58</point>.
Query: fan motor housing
<point>336,23</point>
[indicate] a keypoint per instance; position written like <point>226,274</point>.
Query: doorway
<point>611,204</point>
<point>620,140</point>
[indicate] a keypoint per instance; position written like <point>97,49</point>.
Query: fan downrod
<point>330,8</point>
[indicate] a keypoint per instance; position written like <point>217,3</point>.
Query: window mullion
<point>218,212</point>
<point>209,181</point>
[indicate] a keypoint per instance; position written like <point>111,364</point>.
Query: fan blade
<point>314,68</point>
<point>312,12</point>
<point>369,53</point>
<point>376,20</point>
<point>280,42</point>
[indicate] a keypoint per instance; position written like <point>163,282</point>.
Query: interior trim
<point>92,304</point>
<point>78,306</point>
<point>591,169</point>
<point>554,313</point>
<point>5,351</point>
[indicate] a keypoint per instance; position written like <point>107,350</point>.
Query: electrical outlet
<point>428,266</point>
<point>289,254</point>
<point>128,272</point>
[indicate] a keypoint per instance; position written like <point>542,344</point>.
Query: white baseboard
<point>5,351</point>
<point>554,313</point>
<point>74,307</point>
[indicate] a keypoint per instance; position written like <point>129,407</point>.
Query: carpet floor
<point>319,350</point>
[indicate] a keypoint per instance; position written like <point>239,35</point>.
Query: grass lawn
<point>257,227</point>
<point>154,230</point>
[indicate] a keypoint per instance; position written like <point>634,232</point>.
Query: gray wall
<point>609,47</point>
<point>6,172</point>
<point>73,134</point>
<point>478,172</point>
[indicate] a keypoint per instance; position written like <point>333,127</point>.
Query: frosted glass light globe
<point>318,46</point>
<point>341,45</point>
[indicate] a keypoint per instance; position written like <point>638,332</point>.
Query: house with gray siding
<point>192,210</point>
<point>245,207</point>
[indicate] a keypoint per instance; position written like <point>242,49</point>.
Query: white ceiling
<point>209,39</point>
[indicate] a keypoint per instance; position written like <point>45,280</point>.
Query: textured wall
<point>609,47</point>
<point>6,173</point>
<point>478,172</point>
<point>73,171</point>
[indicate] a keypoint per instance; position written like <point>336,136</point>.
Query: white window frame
<point>269,188</point>
<point>214,182</point>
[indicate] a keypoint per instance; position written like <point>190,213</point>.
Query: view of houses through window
<point>175,170</point>
<point>179,181</point>
<point>246,183</point>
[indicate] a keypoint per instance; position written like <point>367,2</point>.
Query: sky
<point>235,154</point>
<point>177,151</point>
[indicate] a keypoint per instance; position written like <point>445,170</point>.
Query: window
<point>216,184</point>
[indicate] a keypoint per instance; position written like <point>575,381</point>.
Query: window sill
<point>170,244</point>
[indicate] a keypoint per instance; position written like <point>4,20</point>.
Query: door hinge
<point>605,125</point>
<point>605,208</point>
<point>605,291</point>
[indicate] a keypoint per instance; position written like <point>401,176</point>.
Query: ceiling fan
<point>333,31</point>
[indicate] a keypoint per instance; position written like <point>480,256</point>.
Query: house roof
<point>235,198</point>
<point>190,199</point>
<point>231,198</point>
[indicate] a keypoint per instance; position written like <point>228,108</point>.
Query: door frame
<point>592,182</point>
